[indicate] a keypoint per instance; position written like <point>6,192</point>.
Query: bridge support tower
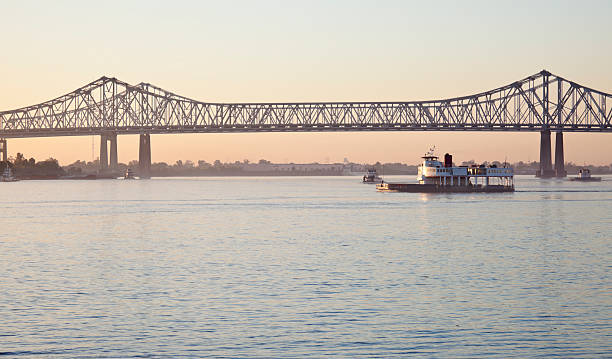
<point>105,166</point>
<point>3,150</point>
<point>559,157</point>
<point>104,154</point>
<point>114,163</point>
<point>144,156</point>
<point>546,169</point>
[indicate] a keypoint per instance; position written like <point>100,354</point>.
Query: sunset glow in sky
<point>297,51</point>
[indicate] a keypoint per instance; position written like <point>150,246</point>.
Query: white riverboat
<point>436,176</point>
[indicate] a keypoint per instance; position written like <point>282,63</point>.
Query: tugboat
<point>584,175</point>
<point>129,174</point>
<point>371,176</point>
<point>7,175</point>
<point>437,177</point>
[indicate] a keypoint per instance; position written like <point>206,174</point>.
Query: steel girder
<point>539,102</point>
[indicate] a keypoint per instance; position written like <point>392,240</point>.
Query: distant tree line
<point>24,168</point>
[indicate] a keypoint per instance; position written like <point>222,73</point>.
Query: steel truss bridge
<point>534,103</point>
<point>110,107</point>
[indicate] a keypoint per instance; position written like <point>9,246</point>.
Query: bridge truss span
<point>540,102</point>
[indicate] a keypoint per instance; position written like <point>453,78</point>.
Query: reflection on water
<point>303,267</point>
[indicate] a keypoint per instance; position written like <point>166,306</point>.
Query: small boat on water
<point>584,175</point>
<point>371,176</point>
<point>129,174</point>
<point>7,175</point>
<point>437,177</point>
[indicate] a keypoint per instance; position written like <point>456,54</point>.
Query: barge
<point>437,177</point>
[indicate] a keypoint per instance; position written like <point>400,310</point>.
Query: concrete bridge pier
<point>103,153</point>
<point>559,157</point>
<point>144,156</point>
<point>105,166</point>
<point>3,150</point>
<point>546,170</point>
<point>114,163</point>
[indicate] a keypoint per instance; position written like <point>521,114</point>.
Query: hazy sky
<point>274,51</point>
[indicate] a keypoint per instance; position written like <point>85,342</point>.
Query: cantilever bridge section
<point>109,107</point>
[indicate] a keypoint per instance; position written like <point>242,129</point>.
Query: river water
<point>294,267</point>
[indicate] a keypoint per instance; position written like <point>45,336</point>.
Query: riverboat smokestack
<point>448,160</point>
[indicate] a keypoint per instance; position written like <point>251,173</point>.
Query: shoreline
<point>94,177</point>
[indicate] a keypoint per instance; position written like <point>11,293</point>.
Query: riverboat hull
<point>586,179</point>
<point>435,188</point>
